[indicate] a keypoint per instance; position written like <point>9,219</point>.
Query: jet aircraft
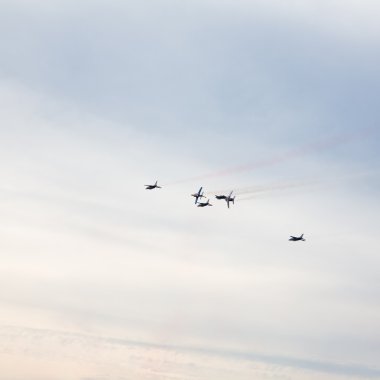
<point>198,195</point>
<point>204,204</point>
<point>230,199</point>
<point>151,187</point>
<point>295,238</point>
<point>227,198</point>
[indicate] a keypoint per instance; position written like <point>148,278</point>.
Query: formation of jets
<point>228,198</point>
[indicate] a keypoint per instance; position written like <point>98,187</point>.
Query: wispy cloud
<point>64,342</point>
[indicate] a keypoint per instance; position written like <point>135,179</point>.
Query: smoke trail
<point>318,146</point>
<point>275,188</point>
<point>267,188</point>
<point>252,192</point>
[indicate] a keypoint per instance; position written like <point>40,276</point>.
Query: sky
<point>277,101</point>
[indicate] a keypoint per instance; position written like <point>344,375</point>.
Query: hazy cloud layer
<point>77,352</point>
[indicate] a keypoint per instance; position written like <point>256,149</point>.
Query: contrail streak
<point>252,192</point>
<point>256,189</point>
<point>274,189</point>
<point>304,150</point>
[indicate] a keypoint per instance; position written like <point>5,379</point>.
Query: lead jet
<point>198,195</point>
<point>204,204</point>
<point>295,238</point>
<point>151,187</point>
<point>227,198</point>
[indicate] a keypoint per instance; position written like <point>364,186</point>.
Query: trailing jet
<point>198,195</point>
<point>227,198</point>
<point>151,187</point>
<point>295,238</point>
<point>230,199</point>
<point>204,204</point>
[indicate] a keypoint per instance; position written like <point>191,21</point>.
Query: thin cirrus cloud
<point>166,360</point>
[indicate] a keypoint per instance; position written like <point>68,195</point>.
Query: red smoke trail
<point>318,146</point>
<point>252,192</point>
<point>270,187</point>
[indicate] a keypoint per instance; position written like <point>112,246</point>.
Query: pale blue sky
<point>101,279</point>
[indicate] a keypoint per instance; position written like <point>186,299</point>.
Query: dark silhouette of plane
<point>227,198</point>
<point>204,204</point>
<point>230,199</point>
<point>151,187</point>
<point>198,195</point>
<point>295,238</point>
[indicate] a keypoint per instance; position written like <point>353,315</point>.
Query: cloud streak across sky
<point>11,337</point>
<point>98,98</point>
